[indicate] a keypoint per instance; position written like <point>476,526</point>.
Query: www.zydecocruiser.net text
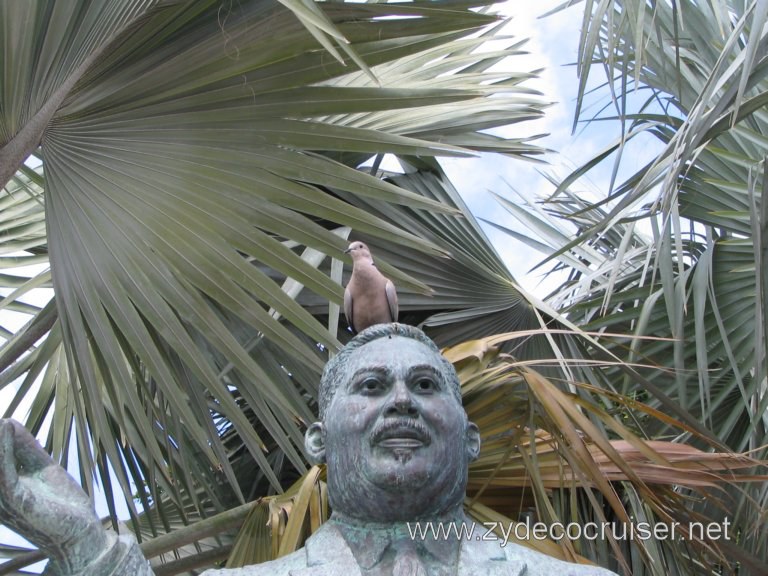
<point>557,531</point>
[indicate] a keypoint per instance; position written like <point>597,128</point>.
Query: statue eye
<point>370,385</point>
<point>425,385</point>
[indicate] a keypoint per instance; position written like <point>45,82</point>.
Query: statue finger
<point>29,454</point>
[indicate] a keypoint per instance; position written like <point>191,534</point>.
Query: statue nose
<point>402,401</point>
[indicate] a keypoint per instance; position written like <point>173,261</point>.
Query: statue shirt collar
<point>330,554</point>
<point>369,541</point>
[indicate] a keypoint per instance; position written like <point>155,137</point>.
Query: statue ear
<point>314,443</point>
<point>473,441</point>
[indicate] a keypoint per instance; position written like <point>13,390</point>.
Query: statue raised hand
<point>40,501</point>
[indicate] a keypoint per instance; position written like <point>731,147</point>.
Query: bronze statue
<point>397,444</point>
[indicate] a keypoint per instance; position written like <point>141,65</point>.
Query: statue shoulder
<point>326,546</point>
<point>279,567</point>
<point>539,564</point>
<point>490,556</point>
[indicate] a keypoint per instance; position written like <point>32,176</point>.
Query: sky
<point>552,45</point>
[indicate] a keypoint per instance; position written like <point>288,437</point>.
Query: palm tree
<point>201,166</point>
<point>676,252</point>
<point>189,172</point>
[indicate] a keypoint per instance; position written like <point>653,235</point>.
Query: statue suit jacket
<point>326,553</point>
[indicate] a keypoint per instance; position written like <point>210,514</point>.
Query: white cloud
<point>552,46</point>
<point>476,178</point>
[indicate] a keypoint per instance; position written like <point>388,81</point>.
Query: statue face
<point>397,441</point>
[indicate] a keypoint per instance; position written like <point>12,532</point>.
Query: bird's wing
<point>348,307</point>
<point>389,288</point>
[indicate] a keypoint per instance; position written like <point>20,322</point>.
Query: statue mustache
<point>398,426</point>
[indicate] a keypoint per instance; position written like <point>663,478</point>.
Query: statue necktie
<point>407,562</point>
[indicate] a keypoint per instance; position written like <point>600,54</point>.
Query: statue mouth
<point>401,434</point>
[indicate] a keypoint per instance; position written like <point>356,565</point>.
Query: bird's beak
<point>348,250</point>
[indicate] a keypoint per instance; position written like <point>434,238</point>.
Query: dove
<point>369,297</point>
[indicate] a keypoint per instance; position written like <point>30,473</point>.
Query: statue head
<point>393,431</point>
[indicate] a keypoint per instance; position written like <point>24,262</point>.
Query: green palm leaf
<point>675,251</point>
